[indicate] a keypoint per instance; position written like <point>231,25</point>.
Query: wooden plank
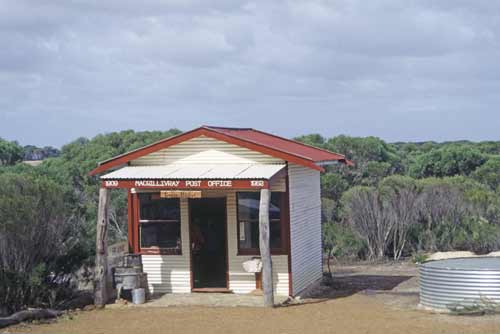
<point>130,214</point>
<point>265,251</point>
<point>101,260</point>
<point>136,215</point>
<point>288,234</point>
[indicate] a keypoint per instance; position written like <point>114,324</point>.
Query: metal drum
<point>128,278</point>
<point>456,283</point>
<point>139,296</point>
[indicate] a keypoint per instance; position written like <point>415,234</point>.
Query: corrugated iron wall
<point>305,226</point>
<point>445,287</point>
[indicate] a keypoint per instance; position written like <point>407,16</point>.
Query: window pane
<point>249,234</point>
<point>249,202</point>
<point>155,208</point>
<point>248,220</point>
<point>274,206</point>
<point>162,235</point>
<point>275,237</point>
<point>248,206</point>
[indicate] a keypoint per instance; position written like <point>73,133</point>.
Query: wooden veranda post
<point>265,251</point>
<point>101,256</point>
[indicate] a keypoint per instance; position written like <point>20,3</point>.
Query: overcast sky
<point>400,70</point>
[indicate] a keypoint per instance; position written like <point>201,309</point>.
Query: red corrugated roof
<point>282,144</point>
<point>286,149</point>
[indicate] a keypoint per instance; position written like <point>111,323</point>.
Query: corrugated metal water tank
<point>452,283</point>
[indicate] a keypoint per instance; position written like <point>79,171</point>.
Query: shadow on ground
<point>345,286</point>
<point>348,285</point>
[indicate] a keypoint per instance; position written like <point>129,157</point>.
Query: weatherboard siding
<point>239,280</point>
<point>305,227</point>
<point>204,150</point>
<point>171,273</point>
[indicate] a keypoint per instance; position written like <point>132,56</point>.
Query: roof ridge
<point>300,143</point>
<point>225,127</point>
<point>282,138</point>
<point>260,144</point>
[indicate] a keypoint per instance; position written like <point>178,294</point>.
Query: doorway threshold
<point>212,290</point>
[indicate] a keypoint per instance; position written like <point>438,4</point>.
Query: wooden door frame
<point>190,216</point>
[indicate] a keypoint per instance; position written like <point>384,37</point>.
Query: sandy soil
<point>363,299</point>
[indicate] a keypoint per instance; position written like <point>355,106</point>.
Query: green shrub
<point>419,258</point>
<point>39,242</point>
<point>341,242</point>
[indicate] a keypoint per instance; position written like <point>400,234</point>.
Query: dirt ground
<point>363,299</point>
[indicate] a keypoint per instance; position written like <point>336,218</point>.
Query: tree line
<point>11,152</point>
<point>404,199</point>
<point>399,199</point>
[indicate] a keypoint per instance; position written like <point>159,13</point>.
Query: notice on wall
<point>242,231</point>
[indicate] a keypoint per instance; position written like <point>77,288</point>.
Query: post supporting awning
<point>265,251</point>
<point>101,256</point>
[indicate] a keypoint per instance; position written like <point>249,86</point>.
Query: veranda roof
<point>200,172</point>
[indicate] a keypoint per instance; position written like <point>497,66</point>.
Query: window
<point>159,224</point>
<point>248,223</point>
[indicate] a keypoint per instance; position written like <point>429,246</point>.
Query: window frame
<point>283,250</point>
<point>158,250</point>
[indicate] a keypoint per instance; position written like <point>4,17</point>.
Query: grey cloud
<point>402,70</point>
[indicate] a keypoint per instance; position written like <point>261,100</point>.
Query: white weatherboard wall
<point>171,273</point>
<point>204,150</point>
<point>239,280</point>
<point>305,227</point>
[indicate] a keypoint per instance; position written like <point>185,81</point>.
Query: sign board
<point>116,252</point>
<point>186,184</point>
<point>118,249</point>
<point>180,194</point>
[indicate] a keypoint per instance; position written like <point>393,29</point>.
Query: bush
<point>382,216</point>
<point>477,235</point>
<point>365,210</point>
<point>39,242</point>
<point>419,258</point>
<point>342,241</point>
<point>447,161</point>
<point>403,215</point>
<point>489,173</point>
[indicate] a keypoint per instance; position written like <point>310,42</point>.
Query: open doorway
<point>208,243</point>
